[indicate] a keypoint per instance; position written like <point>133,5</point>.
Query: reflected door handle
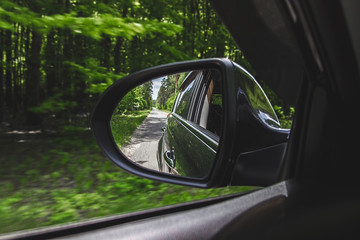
<point>170,158</point>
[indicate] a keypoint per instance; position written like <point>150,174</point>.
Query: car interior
<point>309,52</point>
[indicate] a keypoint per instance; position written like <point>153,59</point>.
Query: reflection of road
<point>144,140</point>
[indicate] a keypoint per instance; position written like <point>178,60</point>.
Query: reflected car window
<point>200,100</point>
<point>184,96</point>
<point>208,102</point>
<point>211,104</point>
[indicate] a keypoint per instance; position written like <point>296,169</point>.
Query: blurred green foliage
<point>56,58</point>
<point>68,179</point>
<point>168,90</point>
<point>95,25</point>
<point>138,98</point>
<point>285,118</point>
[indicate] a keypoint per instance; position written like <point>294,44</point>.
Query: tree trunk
<point>22,67</point>
<point>16,79</point>
<point>50,64</point>
<point>79,78</point>
<point>106,47</point>
<point>67,56</point>
<point>33,80</point>
<point>119,58</point>
<point>1,78</point>
<point>8,75</point>
<point>117,55</point>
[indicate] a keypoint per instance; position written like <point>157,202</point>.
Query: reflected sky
<point>156,87</point>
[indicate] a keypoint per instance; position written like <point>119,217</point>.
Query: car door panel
<point>194,157</point>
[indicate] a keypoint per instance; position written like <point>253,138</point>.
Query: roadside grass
<point>123,125</point>
<point>48,180</point>
<point>165,110</point>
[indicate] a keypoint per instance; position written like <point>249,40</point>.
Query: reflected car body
<point>194,126</point>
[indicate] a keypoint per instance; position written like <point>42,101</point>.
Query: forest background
<point>56,58</point>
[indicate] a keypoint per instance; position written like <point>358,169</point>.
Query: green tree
<point>70,51</point>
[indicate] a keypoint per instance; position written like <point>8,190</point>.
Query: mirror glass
<point>172,123</point>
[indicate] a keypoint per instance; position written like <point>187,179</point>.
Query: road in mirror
<point>169,121</point>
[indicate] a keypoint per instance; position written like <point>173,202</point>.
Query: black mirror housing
<point>249,129</point>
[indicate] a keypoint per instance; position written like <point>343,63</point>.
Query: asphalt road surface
<point>143,145</point>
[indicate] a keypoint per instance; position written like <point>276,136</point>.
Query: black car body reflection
<point>193,126</point>
<point>191,137</point>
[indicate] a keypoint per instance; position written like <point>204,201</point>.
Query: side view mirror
<point>204,123</point>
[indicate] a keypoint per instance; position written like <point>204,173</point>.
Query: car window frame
<point>196,102</point>
<point>200,103</point>
<point>180,95</point>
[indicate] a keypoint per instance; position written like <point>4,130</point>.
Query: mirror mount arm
<point>262,167</point>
